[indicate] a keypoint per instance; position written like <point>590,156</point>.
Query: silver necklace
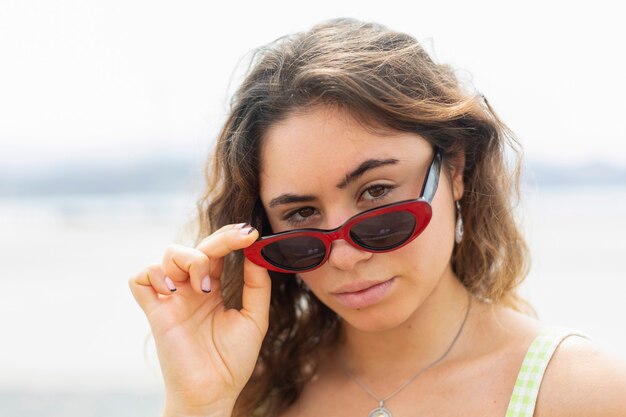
<point>381,411</point>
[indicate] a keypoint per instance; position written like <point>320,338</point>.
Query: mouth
<point>354,287</point>
<point>363,294</point>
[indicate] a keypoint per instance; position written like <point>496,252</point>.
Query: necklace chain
<point>407,382</point>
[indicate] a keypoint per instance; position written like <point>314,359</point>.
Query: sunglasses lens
<point>385,231</point>
<point>296,253</point>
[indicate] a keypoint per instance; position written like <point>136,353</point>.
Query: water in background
<point>74,343</point>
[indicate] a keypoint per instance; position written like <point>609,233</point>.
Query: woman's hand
<point>207,353</point>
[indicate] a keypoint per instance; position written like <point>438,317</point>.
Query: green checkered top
<point>535,362</point>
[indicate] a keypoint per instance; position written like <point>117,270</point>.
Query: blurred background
<point>107,114</point>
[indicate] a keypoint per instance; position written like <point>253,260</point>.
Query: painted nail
<point>246,231</point>
<point>170,285</point>
<point>206,284</point>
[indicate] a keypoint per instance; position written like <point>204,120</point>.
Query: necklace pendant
<point>380,412</point>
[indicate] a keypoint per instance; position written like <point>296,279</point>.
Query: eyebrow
<point>350,177</point>
<point>291,198</point>
<point>363,168</point>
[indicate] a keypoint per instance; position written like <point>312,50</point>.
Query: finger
<point>227,240</point>
<point>225,229</point>
<point>206,244</point>
<point>183,263</point>
<point>146,286</point>
<point>257,288</point>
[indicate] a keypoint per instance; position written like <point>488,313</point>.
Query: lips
<point>356,286</point>
<point>367,296</point>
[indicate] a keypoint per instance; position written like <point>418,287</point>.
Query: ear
<point>458,167</point>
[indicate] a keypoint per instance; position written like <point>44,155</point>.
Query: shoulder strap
<point>533,367</point>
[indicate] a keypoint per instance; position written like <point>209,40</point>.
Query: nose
<point>344,256</point>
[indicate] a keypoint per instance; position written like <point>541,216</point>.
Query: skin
<point>205,364</point>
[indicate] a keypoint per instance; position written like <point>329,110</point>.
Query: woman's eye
<point>299,216</point>
<point>376,192</point>
<point>305,212</point>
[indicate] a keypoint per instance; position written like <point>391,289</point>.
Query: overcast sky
<point>92,79</point>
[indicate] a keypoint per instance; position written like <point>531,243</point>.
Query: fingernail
<point>246,231</point>
<point>206,284</point>
<point>170,285</point>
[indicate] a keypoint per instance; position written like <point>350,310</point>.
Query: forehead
<point>316,148</point>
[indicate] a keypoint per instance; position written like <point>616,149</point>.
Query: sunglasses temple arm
<point>432,178</point>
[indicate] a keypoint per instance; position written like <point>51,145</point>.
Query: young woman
<point>358,252</point>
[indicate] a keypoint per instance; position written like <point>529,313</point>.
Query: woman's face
<point>310,155</point>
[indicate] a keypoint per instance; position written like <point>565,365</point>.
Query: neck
<point>419,341</point>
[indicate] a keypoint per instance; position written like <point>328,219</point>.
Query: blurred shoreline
<point>162,174</point>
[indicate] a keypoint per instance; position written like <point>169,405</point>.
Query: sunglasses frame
<point>419,207</point>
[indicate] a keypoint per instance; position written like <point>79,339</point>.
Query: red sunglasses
<point>381,229</point>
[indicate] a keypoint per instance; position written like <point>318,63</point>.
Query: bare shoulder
<point>583,379</point>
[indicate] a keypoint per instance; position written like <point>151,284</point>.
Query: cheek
<point>430,253</point>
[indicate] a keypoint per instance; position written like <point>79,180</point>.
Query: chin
<point>373,319</point>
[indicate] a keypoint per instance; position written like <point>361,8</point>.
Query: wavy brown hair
<point>384,79</point>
